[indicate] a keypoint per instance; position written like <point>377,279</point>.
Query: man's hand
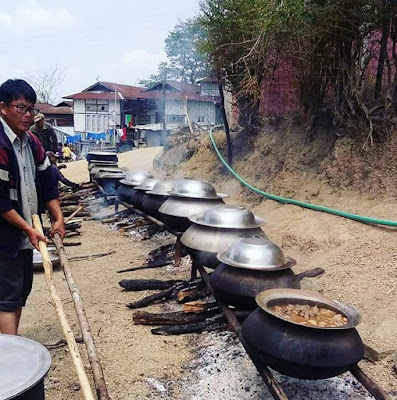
<point>35,236</point>
<point>58,227</point>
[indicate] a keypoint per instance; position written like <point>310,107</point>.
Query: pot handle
<point>311,273</point>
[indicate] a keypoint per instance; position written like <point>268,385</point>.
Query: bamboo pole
<point>73,214</point>
<point>97,372</point>
<point>67,331</point>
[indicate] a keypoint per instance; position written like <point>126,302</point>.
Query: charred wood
<point>172,318</point>
<point>158,264</point>
<point>210,324</point>
<point>146,301</point>
<point>137,285</point>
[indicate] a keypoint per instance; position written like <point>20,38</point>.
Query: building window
<point>200,118</point>
<point>175,119</point>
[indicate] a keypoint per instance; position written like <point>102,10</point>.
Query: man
<point>58,174</point>
<point>45,133</point>
<point>26,182</point>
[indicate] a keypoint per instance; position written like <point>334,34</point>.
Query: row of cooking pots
<point>247,264</point>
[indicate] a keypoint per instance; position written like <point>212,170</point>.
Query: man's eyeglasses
<point>24,109</point>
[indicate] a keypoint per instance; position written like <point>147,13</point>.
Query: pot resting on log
<point>301,351</point>
<point>250,266</point>
<point>216,229</point>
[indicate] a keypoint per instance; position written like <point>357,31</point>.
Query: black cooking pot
<point>102,156</point>
<point>302,351</point>
<point>110,183</point>
<point>151,204</point>
<point>238,287</point>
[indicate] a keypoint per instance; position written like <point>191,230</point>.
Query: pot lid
<point>23,363</point>
<point>282,296</point>
<point>114,174</point>
<point>195,189</point>
<point>257,254</point>
<point>102,162</point>
<point>135,178</point>
<point>147,184</point>
<point>102,153</point>
<point>228,216</point>
<point>162,188</point>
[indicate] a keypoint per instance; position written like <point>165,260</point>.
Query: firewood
<point>137,285</point>
<point>93,255</point>
<point>198,307</point>
<point>153,265</point>
<point>146,301</point>
<point>172,318</point>
<point>161,249</point>
<point>214,323</point>
<point>189,290</point>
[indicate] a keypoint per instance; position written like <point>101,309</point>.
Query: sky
<point>116,41</point>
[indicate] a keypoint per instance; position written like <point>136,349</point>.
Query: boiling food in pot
<point>306,314</point>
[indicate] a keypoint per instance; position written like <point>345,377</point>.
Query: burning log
<point>194,294</point>
<point>137,285</point>
<point>209,324</point>
<point>198,307</point>
<point>158,264</point>
<point>165,294</point>
<point>146,301</point>
<point>187,291</point>
<point>172,318</point>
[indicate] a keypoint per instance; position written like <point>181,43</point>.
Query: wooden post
<point>227,129</point>
<point>67,330</point>
<point>97,372</point>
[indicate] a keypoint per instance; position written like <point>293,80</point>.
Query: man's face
<point>18,114</point>
<point>40,123</point>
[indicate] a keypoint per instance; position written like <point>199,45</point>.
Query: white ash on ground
<point>222,370</point>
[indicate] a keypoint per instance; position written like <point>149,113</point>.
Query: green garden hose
<point>286,200</point>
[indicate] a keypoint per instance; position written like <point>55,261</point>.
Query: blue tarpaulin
<point>96,136</point>
<point>73,139</point>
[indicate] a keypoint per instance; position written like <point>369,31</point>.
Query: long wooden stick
<point>67,331</point>
<point>73,214</point>
<point>97,372</point>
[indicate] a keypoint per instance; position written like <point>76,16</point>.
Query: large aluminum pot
<point>175,211</point>
<point>301,351</point>
<point>216,229</point>
<point>156,197</point>
<point>126,190</point>
<point>23,366</point>
<point>38,260</point>
<point>140,192</point>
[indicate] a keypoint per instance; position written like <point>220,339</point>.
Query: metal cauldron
<point>306,352</point>
<point>111,181</point>
<point>155,198</point>
<point>126,189</point>
<point>106,156</point>
<point>23,366</point>
<point>140,192</point>
<point>38,260</point>
<point>251,266</point>
<point>105,171</point>
<point>216,229</point>
<point>188,197</point>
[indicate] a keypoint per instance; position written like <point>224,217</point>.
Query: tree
<point>182,46</point>
<point>46,82</point>
<point>186,60</point>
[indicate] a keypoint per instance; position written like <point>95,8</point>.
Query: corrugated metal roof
<point>185,91</point>
<point>46,108</point>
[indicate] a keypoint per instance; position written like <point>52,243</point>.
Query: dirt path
<point>360,263</point>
